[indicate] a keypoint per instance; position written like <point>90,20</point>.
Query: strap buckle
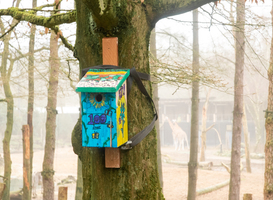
<point>127,145</point>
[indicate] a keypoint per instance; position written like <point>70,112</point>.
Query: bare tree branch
<point>11,28</point>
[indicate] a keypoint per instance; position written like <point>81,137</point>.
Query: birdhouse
<point>104,107</point>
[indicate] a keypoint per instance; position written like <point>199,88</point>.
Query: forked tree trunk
<point>204,127</point>
<point>138,176</point>
<point>31,94</point>
<point>268,174</point>
<point>192,167</point>
<point>235,181</point>
<point>48,163</point>
<point>246,137</point>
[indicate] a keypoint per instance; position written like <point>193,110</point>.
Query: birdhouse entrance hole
<point>98,97</point>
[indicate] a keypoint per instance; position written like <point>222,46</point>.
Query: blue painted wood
<point>98,116</point>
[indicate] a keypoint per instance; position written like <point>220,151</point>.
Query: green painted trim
<point>123,80</point>
<point>95,89</point>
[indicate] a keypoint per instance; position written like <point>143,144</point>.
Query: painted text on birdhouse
<point>104,107</point>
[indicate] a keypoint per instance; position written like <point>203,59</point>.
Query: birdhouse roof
<point>102,80</point>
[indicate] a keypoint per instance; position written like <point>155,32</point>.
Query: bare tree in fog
<point>193,162</point>
<point>6,69</point>
<point>234,186</point>
<point>268,174</point>
<point>30,104</point>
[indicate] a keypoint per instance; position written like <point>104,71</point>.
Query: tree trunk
<point>155,98</point>
<point>268,174</point>
<point>138,176</point>
<point>31,93</point>
<point>204,128</point>
<point>234,186</point>
<point>246,136</point>
<point>192,167</point>
<point>5,76</point>
<point>48,163</point>
<point>9,125</point>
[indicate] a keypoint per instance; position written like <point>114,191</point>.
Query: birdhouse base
<point>112,157</point>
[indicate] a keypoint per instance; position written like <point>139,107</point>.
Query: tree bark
<point>31,93</point>
<point>156,98</point>
<point>246,137</point>
<point>204,128</point>
<point>192,167</point>
<point>79,186</point>
<point>48,163</point>
<point>234,186</point>
<point>268,174</point>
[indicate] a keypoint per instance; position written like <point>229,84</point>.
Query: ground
<point>174,175</point>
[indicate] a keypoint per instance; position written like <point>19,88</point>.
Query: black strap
<point>137,76</point>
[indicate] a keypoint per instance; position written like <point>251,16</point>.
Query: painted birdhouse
<point>104,107</point>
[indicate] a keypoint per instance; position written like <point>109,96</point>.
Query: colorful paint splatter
<point>102,79</point>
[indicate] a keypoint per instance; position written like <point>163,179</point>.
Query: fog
<point>174,52</point>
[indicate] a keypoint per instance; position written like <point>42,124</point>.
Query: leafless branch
<point>11,28</point>
<point>64,40</point>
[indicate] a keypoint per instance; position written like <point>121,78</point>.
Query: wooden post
<point>26,163</point>
<point>2,189</point>
<point>62,194</point>
<point>110,57</point>
<point>247,196</point>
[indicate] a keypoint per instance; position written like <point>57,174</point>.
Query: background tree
<point>155,99</point>
<point>31,98</point>
<point>246,137</point>
<point>234,186</point>
<point>6,69</point>
<point>268,174</point>
<point>48,163</point>
<point>204,128</point>
<point>193,162</point>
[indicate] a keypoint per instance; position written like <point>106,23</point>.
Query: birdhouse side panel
<point>98,119</point>
<point>122,122</point>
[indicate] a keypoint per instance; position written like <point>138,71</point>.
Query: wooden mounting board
<point>110,57</point>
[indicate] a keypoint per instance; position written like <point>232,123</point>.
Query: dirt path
<point>175,177</point>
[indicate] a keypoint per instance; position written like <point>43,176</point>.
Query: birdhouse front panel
<point>99,120</point>
<point>104,107</point>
